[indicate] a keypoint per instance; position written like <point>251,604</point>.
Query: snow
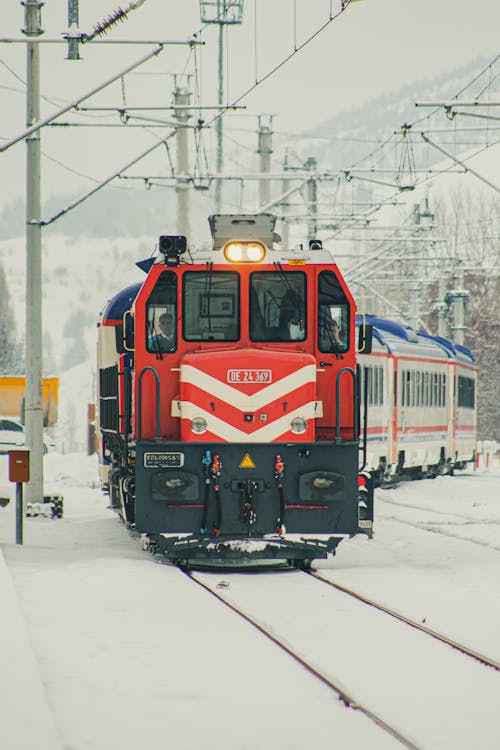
<point>101,647</point>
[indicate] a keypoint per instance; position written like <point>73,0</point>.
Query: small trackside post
<point>19,472</point>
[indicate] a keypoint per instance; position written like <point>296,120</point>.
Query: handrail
<point>157,402</point>
<point>126,410</point>
<point>340,373</point>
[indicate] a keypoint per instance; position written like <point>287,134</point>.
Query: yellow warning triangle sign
<point>247,462</point>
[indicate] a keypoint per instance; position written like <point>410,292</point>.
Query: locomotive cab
<point>238,434</point>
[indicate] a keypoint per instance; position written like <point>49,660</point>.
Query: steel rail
<point>426,527</point>
<point>408,621</point>
<point>348,700</point>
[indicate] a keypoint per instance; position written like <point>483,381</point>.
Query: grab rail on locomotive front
<point>127,411</point>
<point>340,373</point>
<point>157,402</point>
<point>364,381</point>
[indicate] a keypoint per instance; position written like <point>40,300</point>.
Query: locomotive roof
<point>295,256</point>
<point>120,303</point>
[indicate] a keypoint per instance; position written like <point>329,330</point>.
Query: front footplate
<point>272,547</point>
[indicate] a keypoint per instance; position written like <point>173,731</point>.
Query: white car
<point>12,435</point>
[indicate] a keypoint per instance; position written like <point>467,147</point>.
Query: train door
<point>389,369</point>
<point>452,409</point>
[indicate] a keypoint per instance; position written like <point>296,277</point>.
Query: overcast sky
<point>373,48</point>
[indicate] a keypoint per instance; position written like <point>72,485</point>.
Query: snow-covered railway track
<point>345,697</point>
<point>462,519</point>
<point>406,683</point>
<point>435,528</point>
<point>408,621</point>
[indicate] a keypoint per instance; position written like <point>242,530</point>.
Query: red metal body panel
<point>246,410</point>
<point>236,357</point>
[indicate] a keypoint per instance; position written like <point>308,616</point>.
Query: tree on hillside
<point>74,334</point>
<point>469,222</point>
<point>11,356</point>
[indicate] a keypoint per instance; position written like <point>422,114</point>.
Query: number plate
<point>163,460</point>
<point>249,376</point>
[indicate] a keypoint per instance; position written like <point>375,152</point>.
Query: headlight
<point>244,252</point>
<point>198,425</point>
<point>298,425</point>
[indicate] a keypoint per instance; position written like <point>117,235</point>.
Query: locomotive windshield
<point>210,307</point>
<point>278,306</point>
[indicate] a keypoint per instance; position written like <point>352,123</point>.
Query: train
<point>245,412</point>
<point>419,392</point>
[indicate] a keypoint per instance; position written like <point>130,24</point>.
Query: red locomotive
<point>228,399</point>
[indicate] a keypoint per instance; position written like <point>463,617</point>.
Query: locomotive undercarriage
<point>225,501</point>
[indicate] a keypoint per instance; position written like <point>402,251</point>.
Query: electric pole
<point>312,200</point>
<point>73,42</point>
<point>458,297</point>
<point>264,150</point>
<point>415,295</point>
<point>285,229</point>
<point>441,307</point>
<point>182,99</point>
<point>34,362</point>
<point>223,13</point>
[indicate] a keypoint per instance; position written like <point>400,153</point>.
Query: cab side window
<point>333,315</point>
<point>161,315</point>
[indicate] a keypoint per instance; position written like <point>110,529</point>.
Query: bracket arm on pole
<point>74,104</point>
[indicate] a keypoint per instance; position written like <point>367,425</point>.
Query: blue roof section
<point>467,352</point>
<point>120,303</point>
<point>406,333</point>
<point>390,326</point>
<point>444,344</point>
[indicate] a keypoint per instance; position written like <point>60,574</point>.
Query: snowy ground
<point>101,648</point>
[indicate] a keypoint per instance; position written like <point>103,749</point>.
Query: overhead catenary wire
<point>105,182</point>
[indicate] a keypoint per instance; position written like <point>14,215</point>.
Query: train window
<point>333,314</point>
<point>466,392</point>
<point>161,315</point>
<point>435,391</point>
<point>278,306</point>
<point>405,388</point>
<point>210,306</point>
<point>374,376</point>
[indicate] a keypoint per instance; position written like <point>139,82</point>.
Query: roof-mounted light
<point>172,247</point>
<point>244,252</point>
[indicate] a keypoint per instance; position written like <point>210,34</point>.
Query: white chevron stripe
<point>235,397</point>
<point>232,434</point>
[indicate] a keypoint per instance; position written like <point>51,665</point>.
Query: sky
<point>373,48</point>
